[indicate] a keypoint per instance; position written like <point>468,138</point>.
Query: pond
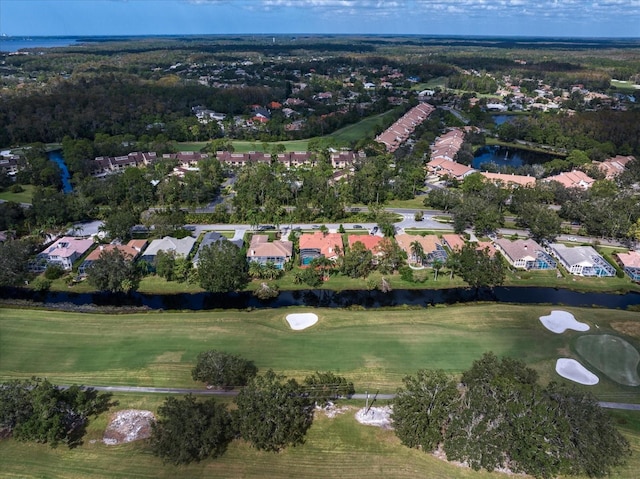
<point>505,156</point>
<point>331,299</point>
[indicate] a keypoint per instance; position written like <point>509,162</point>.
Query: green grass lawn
<point>338,447</point>
<point>22,197</point>
<point>372,348</point>
<point>362,129</point>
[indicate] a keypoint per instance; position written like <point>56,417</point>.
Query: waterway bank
<point>317,298</point>
<point>56,157</point>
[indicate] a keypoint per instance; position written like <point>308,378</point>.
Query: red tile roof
<point>326,243</point>
<point>372,243</point>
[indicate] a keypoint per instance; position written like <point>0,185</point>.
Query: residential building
<point>431,246</point>
<point>62,253</point>
<point>509,181</point>
<point>8,164</point>
<point>212,238</point>
<point>313,245</point>
<point>525,254</point>
<point>345,158</point>
<point>371,242</point>
<point>582,260</point>
<point>573,179</point>
<point>612,167</point>
<point>131,251</point>
<point>444,167</point>
<point>262,251</point>
<point>105,165</point>
<point>180,247</point>
<point>630,262</point>
<point>400,131</point>
<point>486,246</point>
<point>453,242</point>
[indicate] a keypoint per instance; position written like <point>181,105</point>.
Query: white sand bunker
<point>576,372</point>
<point>560,321</point>
<point>127,426</point>
<point>375,416</point>
<point>301,320</point>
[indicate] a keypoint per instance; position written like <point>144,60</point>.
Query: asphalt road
<point>217,392</point>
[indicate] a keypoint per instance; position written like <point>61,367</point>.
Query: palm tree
<point>271,271</point>
<point>437,266</point>
<point>417,250</point>
<point>255,270</point>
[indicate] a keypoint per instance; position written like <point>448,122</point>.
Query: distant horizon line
<point>299,34</point>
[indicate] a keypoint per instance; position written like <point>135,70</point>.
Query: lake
<point>504,156</point>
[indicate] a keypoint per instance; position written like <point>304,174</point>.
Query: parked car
<point>315,227</point>
<point>374,230</point>
<point>266,227</point>
<point>357,227</point>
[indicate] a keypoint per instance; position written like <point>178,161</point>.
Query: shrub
<point>53,271</point>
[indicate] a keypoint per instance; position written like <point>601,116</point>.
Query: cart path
<point>219,392</point>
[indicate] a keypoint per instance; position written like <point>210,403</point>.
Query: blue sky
<point>568,18</point>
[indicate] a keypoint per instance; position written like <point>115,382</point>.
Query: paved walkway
<point>218,392</point>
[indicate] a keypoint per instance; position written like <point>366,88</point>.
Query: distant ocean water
<point>13,44</point>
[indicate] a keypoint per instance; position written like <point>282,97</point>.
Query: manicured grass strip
<point>363,129</point>
<point>375,349</point>
<point>338,447</point>
<point>334,448</point>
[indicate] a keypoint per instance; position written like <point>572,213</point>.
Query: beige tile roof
<point>510,180</point>
<point>630,259</point>
<point>573,179</point>
<point>429,243</point>
<point>260,247</point>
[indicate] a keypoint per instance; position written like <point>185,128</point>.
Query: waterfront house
<point>630,262</point>
<point>371,242</point>
<point>525,254</point>
<point>131,251</point>
<point>262,251</point>
<point>582,260</point>
<point>62,253</point>
<point>313,245</point>
<point>431,246</point>
<point>180,247</point>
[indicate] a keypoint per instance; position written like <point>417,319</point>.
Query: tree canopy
<point>222,267</point>
<point>324,386</point>
<point>477,267</point>
<point>273,412</point>
<point>40,411</point>
<point>189,430</point>
<point>498,416</point>
<point>14,255</point>
<point>114,271</point>
<point>223,370</point>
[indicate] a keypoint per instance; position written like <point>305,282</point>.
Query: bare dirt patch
<point>331,410</point>
<point>376,416</point>
<point>629,328</point>
<point>127,426</point>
